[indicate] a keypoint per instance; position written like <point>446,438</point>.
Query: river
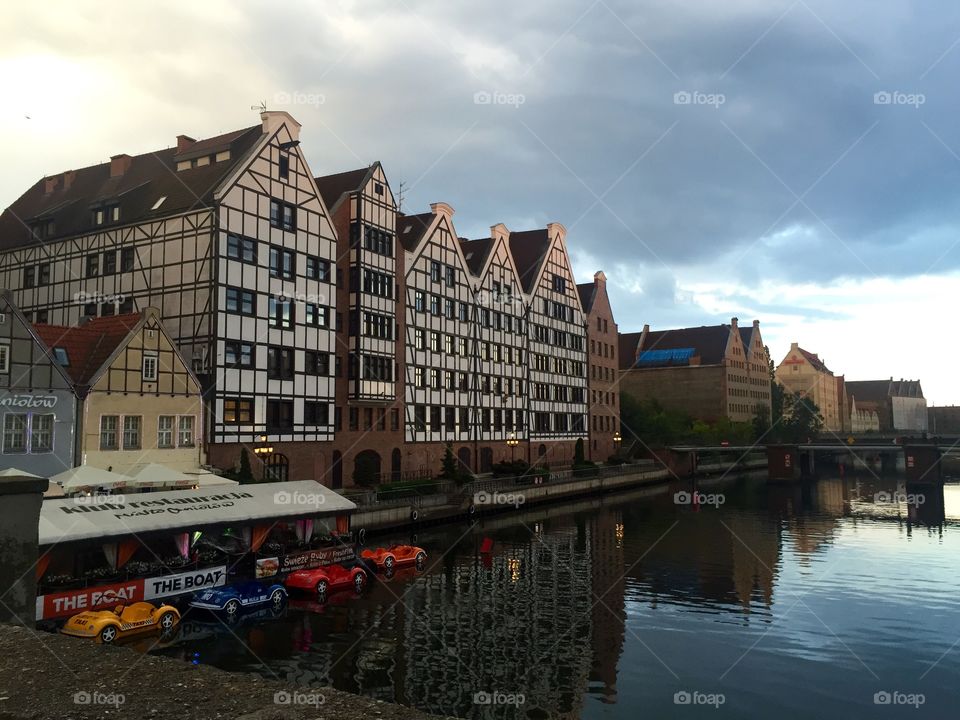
<point>762,601</point>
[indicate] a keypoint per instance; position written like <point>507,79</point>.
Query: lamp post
<point>262,451</point>
<point>512,443</point>
<point>617,440</point>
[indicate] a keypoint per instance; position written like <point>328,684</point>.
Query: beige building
<point>139,403</point>
<point>805,373</point>
<point>706,372</point>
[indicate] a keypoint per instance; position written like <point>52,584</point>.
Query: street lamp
<point>512,443</point>
<point>617,440</point>
<point>263,449</point>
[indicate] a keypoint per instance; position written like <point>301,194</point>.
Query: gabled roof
<point>709,341</point>
<point>814,360</point>
<point>88,346</point>
<point>476,252</point>
<point>906,388</point>
<point>148,178</point>
<point>529,248</point>
<point>333,187</point>
<point>411,228</point>
<point>627,349</point>
<point>587,292</point>
<point>872,391</point>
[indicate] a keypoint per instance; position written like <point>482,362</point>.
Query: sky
<point>792,161</point>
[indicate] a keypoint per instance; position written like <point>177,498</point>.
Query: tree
<point>801,419</point>
<point>578,456</point>
<point>245,474</point>
<point>449,466</point>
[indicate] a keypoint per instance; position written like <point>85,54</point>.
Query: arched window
<point>276,468</point>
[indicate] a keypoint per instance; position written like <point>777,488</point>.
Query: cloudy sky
<point>796,161</point>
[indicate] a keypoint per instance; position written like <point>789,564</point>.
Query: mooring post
<point>20,499</point>
<point>922,463</point>
<point>782,462</point>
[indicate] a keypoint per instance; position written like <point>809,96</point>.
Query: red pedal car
<point>395,556</point>
<point>327,579</point>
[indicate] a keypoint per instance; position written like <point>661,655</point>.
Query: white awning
<point>87,476</point>
<point>104,516</point>
<point>13,472</point>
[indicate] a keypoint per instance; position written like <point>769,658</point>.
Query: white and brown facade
<point>320,320</point>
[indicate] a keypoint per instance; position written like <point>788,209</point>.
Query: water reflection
<point>616,602</point>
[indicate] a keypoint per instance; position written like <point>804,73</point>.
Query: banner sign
<point>317,558</point>
<point>107,597</point>
<point>167,585</point>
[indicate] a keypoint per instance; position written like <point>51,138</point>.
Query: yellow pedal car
<point>123,621</point>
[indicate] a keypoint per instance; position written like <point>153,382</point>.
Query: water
<point>785,602</point>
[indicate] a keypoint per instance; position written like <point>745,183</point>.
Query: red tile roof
<point>815,361</point>
<point>88,346</point>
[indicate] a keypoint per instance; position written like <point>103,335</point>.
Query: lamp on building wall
<point>512,443</point>
<point>263,449</point>
<point>617,440</point>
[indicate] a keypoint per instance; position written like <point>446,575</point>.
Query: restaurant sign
<point>106,597</point>
<point>317,558</point>
<point>29,401</point>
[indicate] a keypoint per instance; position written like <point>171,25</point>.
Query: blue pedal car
<point>233,598</point>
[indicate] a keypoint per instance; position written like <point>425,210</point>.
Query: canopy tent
<point>13,472</point>
<point>87,476</point>
<point>185,510</point>
<point>156,475</point>
<point>205,478</point>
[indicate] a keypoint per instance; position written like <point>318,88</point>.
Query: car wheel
<point>421,557</point>
<point>388,562</point>
<point>167,621</point>
<point>322,587</point>
<point>108,634</point>
<point>232,607</point>
<point>277,598</point>
<point>358,581</point>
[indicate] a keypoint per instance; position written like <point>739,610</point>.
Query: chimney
<point>756,323</point>
<point>68,177</point>
<point>441,208</point>
<point>273,119</point>
<point>733,322</point>
<point>599,279</point>
<point>794,346</point>
<point>641,342</point>
<point>184,142</point>
<point>50,184</point>
<point>119,164</point>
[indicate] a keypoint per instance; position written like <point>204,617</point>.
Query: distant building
<point>864,416</point>
<point>944,420</point>
<point>706,372</point>
<point>803,372</point>
<point>899,404</point>
<point>602,380</point>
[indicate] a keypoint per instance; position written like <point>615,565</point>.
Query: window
<point>165,431</point>
<point>464,419</point>
<point>316,363</point>
<point>60,355</point>
<point>4,358</point>
<point>435,418</point>
<point>378,326</point>
<point>242,248</point>
<point>29,277</point>
<point>354,418</point>
<point>150,362</point>
<point>241,302</point>
<point>126,259</point>
<point>238,354</point>
<point>316,413</point>
<point>435,341</point>
<point>284,166</point>
<point>283,263</point>
<point>419,300</point>
<point>318,316</point>
<point>279,363</point>
<point>14,433</point>
<point>559,284</point>
<point>280,414</point>
<point>318,269</point>
<point>448,308</point>
<point>280,313</point>
<point>283,215</point>
<point>41,433</point>
<point>419,377</point>
<point>419,339</point>
<point>377,284</point>
<point>395,419</point>
<point>126,306</point>
<point>434,271</point>
<point>131,432</point>
<point>450,276</point>
<point>378,367</point>
<point>185,436</point>
<point>420,418</point>
<point>107,309</point>
<point>110,262</point>
<point>378,241</point>
<point>434,304</point>
<point>464,312</point>
<point>93,265</point>
<point>237,411</point>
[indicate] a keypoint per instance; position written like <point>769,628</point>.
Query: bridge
<point>785,462</point>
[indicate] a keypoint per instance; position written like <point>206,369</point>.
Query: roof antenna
<point>262,107</point>
<point>401,191</point>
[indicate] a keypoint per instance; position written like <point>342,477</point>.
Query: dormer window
<point>42,229</point>
<point>60,354</point>
<point>159,202</point>
<point>106,214</point>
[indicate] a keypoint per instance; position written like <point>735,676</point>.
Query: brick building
<point>706,372</point>
<point>803,372</point>
<point>603,378</point>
